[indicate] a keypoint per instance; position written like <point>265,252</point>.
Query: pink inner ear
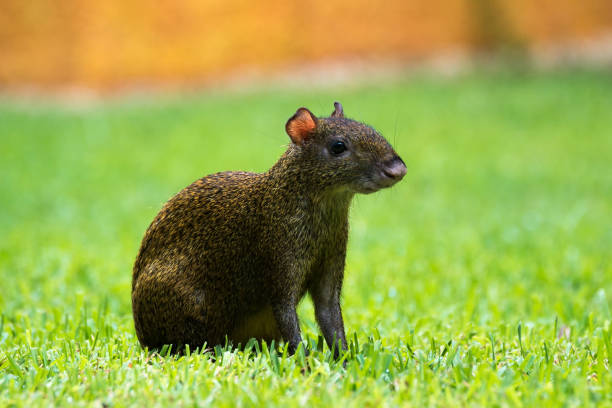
<point>300,126</point>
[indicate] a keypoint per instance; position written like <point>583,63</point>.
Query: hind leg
<point>168,314</point>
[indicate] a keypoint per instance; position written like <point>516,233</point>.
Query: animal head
<point>346,153</point>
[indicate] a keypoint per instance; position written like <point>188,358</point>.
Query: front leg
<point>325,293</point>
<point>286,317</point>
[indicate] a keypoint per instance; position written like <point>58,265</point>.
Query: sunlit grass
<point>482,278</point>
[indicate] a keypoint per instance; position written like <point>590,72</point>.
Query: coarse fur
<point>231,255</point>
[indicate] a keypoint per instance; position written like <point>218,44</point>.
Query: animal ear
<point>338,112</point>
<point>300,126</point>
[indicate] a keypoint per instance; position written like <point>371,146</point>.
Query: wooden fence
<point>112,43</point>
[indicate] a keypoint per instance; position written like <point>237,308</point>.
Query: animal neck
<point>301,180</point>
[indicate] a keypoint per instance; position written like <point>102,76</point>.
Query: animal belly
<point>260,325</point>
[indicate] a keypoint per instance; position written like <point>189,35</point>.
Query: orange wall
<point>110,43</point>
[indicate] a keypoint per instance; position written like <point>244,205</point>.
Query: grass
<point>483,278</point>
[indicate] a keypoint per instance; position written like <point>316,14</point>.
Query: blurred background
<point>110,45</point>
<point>498,158</point>
<point>501,110</point>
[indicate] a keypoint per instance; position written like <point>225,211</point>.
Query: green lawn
<point>483,278</point>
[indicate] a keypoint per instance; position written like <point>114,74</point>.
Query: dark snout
<point>385,175</point>
<point>394,169</point>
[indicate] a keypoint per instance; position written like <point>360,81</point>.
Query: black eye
<point>337,147</point>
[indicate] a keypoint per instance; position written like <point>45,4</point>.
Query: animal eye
<point>337,147</point>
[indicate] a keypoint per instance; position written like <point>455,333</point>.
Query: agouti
<point>232,255</point>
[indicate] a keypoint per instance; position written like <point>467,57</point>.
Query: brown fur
<point>234,253</point>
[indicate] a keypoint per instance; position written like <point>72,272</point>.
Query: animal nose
<point>395,169</point>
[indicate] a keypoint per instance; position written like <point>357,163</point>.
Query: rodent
<point>231,255</point>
